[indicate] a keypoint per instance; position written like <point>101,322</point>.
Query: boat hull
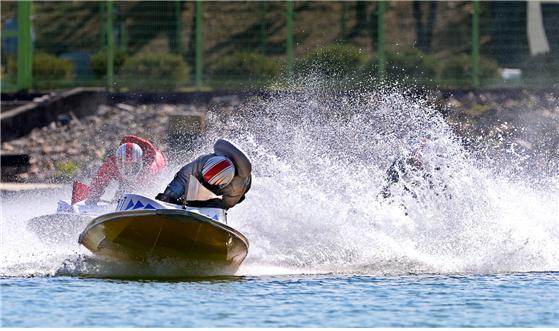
<point>179,235</point>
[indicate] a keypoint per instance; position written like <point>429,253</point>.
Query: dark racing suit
<point>400,167</point>
<point>154,163</point>
<point>178,189</point>
<point>404,169</point>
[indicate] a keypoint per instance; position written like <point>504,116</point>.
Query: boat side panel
<point>158,234</point>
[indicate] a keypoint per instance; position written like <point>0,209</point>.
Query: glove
<point>166,198</point>
<point>162,197</point>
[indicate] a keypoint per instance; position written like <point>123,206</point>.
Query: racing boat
<point>70,218</point>
<point>145,230</point>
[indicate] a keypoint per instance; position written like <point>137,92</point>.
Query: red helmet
<point>218,171</point>
<point>129,160</point>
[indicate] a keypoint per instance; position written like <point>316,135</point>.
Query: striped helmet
<point>218,171</point>
<point>129,160</point>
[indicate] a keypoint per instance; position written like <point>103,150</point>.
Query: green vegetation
<point>154,71</point>
<point>244,69</point>
<point>49,70</point>
<point>244,43</point>
<point>337,60</point>
<point>457,71</point>
<point>345,65</point>
<point>68,168</point>
<point>408,66</point>
<point>99,62</point>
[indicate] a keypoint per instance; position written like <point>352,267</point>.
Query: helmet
<point>218,171</point>
<point>129,160</point>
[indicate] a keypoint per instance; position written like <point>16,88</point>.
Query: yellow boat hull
<point>179,235</point>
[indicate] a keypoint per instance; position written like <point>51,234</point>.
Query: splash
<point>320,160</point>
<point>24,254</point>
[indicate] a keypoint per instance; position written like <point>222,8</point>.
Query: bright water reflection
<point>523,299</point>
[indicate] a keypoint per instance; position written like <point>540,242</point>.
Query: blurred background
<point>78,75</point>
<point>202,45</point>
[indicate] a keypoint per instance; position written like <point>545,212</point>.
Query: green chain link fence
<point>196,45</point>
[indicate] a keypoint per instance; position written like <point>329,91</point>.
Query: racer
<point>411,170</point>
<point>220,179</point>
<point>136,163</point>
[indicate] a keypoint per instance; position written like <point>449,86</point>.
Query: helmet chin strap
<point>129,177</point>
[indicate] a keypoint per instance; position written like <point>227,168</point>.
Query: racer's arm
<point>105,174</point>
<point>235,192</point>
<point>158,164</point>
<point>178,186</point>
<point>393,173</point>
<point>392,177</point>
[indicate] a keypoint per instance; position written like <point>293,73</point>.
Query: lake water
<point>504,300</point>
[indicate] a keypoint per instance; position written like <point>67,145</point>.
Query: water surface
<point>505,300</point>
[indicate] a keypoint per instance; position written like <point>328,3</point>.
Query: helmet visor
<point>129,168</point>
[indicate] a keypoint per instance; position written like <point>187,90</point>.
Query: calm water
<point>522,299</point>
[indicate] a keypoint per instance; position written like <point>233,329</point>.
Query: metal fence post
<point>199,44</point>
<point>475,43</point>
<point>110,45</point>
<point>290,38</point>
<point>24,46</point>
<point>380,52</point>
